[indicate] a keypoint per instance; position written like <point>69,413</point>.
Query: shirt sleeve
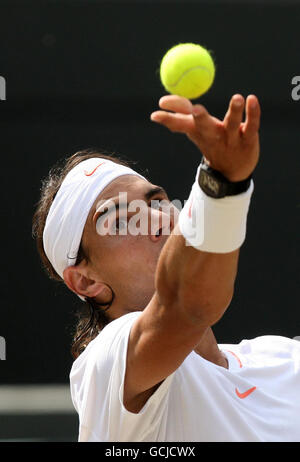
<point>103,416</point>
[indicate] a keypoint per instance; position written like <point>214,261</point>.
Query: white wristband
<point>214,225</point>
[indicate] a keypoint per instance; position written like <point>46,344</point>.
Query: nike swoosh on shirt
<point>93,171</point>
<point>246,393</point>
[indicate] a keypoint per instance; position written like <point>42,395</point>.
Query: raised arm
<point>193,287</point>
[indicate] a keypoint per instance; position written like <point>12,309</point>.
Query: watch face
<point>209,184</point>
<point>214,184</point>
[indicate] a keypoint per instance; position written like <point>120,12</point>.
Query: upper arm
<point>159,341</point>
<point>193,289</point>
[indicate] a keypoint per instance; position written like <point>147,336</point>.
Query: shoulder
<point>106,346</point>
<point>105,354</point>
<point>110,336</point>
<point>276,344</point>
<point>266,347</point>
<point>115,330</point>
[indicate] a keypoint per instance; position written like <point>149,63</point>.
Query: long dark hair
<point>93,316</point>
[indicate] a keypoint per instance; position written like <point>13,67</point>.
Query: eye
<point>155,204</point>
<point>159,202</point>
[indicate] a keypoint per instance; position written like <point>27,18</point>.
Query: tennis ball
<point>187,70</point>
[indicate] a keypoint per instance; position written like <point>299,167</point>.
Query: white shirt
<point>256,399</point>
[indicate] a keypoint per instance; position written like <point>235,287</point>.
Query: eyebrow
<point>147,196</point>
<point>153,191</point>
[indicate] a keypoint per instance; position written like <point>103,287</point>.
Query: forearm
<point>198,266</point>
<point>200,278</point>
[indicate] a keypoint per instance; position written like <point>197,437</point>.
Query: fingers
<point>196,120</point>
<point>180,123</point>
<point>204,122</point>
<point>234,116</point>
<point>193,120</point>
<point>176,104</point>
<point>252,122</point>
<point>180,119</point>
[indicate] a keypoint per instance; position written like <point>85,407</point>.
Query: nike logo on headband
<point>93,171</point>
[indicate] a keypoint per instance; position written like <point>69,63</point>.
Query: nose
<point>161,223</point>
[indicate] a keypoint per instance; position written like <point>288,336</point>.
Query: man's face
<point>123,259</point>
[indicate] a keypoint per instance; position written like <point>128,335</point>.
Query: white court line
<point>35,399</point>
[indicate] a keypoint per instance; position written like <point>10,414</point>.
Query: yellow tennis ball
<point>187,70</point>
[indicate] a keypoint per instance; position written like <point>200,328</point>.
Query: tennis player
<point>147,366</point>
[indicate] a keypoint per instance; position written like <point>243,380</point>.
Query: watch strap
<point>216,185</point>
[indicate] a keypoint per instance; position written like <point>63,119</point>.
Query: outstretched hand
<point>230,146</point>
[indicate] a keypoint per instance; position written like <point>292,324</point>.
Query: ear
<point>78,282</point>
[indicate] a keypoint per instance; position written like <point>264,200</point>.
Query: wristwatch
<point>215,185</point>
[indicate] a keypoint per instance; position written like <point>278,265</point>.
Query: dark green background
<point>85,74</point>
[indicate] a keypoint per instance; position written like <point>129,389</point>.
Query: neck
<point>208,349</point>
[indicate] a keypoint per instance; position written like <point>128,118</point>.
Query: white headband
<point>71,205</point>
